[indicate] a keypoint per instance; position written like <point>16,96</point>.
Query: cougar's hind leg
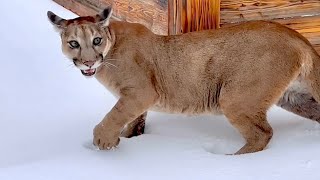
<point>245,103</point>
<point>252,125</point>
<point>135,128</point>
<point>246,109</point>
<point>302,104</point>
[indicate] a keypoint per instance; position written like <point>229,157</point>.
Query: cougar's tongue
<point>88,72</point>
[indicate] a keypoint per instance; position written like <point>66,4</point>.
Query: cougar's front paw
<point>104,138</point>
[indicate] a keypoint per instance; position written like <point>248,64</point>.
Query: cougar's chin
<point>89,72</point>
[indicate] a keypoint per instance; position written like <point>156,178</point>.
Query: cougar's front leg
<point>127,109</point>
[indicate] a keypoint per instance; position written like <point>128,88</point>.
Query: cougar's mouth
<point>89,72</point>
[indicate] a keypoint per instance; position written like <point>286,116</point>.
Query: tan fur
<point>238,71</point>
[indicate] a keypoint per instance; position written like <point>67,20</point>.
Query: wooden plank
<point>244,10</point>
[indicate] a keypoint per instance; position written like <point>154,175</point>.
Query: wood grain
<point>174,23</point>
<point>244,10</point>
<point>199,15</point>
<point>193,15</point>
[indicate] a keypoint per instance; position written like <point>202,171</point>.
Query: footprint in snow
<point>221,146</point>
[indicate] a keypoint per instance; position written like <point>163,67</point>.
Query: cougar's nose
<point>89,63</point>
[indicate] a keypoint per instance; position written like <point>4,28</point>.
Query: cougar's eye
<point>97,41</point>
<point>74,44</point>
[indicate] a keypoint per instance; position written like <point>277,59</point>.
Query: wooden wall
<point>300,15</point>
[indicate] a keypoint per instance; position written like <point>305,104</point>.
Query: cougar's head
<point>85,40</point>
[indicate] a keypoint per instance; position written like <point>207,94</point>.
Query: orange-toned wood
<point>200,15</point>
<point>174,16</point>
<point>193,15</point>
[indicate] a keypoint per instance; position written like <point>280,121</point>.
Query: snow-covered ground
<point>48,110</point>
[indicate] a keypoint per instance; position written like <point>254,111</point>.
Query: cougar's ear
<point>104,16</point>
<point>58,22</point>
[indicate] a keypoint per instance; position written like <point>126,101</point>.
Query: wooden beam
<point>193,15</point>
<point>174,23</point>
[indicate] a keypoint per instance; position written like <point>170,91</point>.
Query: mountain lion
<point>238,71</point>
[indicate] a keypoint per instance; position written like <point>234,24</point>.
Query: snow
<point>49,109</point>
